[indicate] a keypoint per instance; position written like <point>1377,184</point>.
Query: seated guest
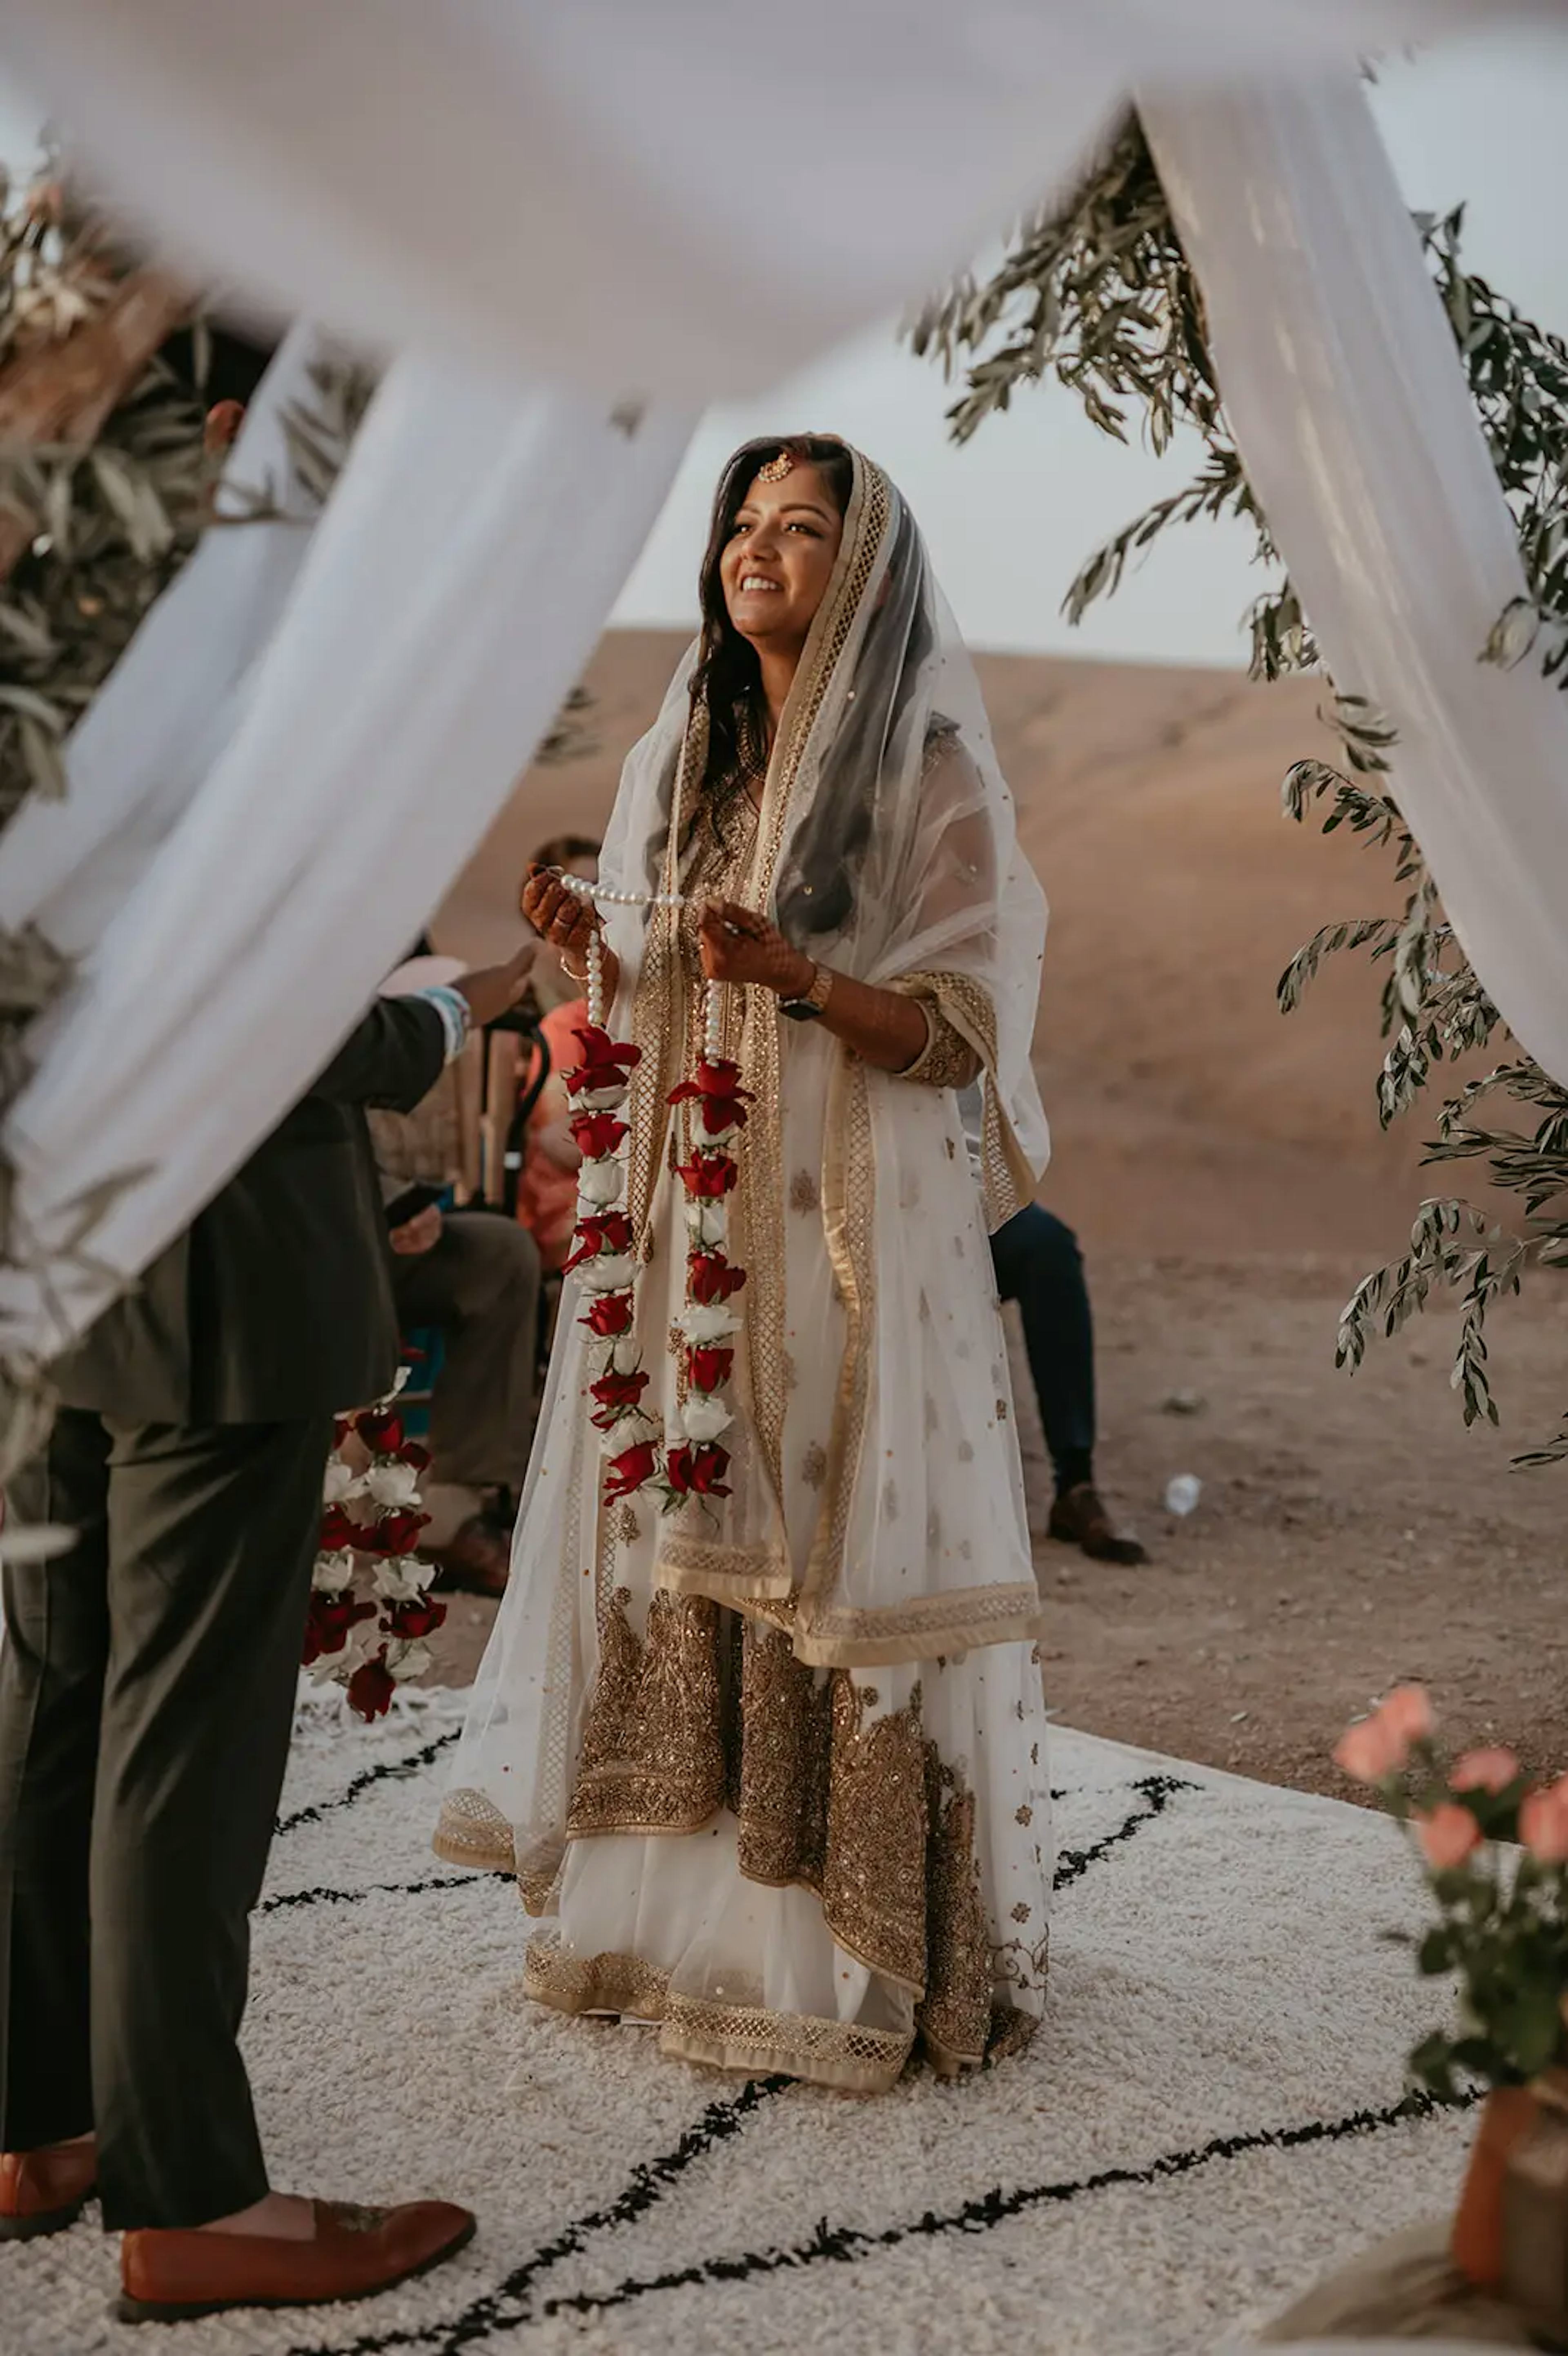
<point>547,1185</point>
<point>1039,1264</point>
<point>475,1277</point>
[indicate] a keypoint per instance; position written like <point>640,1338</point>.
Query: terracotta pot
<point>1535,2216</point>
<point>1476,2246</point>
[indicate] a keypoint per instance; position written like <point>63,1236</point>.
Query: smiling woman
<point>770,1744</point>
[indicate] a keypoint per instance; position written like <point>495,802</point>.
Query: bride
<point>761,1724</point>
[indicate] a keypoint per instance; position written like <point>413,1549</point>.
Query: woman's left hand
<point>740,946</point>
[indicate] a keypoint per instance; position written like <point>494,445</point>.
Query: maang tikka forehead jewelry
<point>776,468</point>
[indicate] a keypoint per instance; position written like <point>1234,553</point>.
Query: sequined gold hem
<point>619,1984</point>
<point>750,2038</point>
<point>473,1832</point>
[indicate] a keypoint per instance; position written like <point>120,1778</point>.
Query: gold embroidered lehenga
<point>775,1762</point>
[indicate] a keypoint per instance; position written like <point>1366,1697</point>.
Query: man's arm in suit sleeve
<point>392,1058</point>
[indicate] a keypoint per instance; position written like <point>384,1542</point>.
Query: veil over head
<point>888,845</point>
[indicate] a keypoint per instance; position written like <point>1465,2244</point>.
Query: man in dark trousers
<point>147,1680</point>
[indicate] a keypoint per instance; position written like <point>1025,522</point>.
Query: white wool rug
<point>1209,2119</point>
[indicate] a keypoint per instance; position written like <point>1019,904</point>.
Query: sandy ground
<point>1226,1173</point>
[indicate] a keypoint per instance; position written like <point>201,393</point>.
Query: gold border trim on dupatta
<point>958,1621</point>
<point>762,1165</point>
<point>1008,1177</point>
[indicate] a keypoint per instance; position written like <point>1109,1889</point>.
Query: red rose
<point>631,1470</point>
<point>708,1175</point>
<point>329,1621</point>
<point>381,1429</point>
<point>338,1531</point>
<point>709,1369</point>
<point>412,1454</point>
<point>396,1533</point>
<point>609,1232</point>
<point>724,1100</point>
<point>597,1134</point>
<point>698,1472</point>
<point>618,1395</point>
<point>342,1425</point>
<point>605,1061</point>
<point>370,1688</point>
<point>419,1617</point>
<point>609,1316</point>
<point>711,1279</point>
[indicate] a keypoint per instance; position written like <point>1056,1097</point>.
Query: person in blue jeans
<point>1039,1264</point>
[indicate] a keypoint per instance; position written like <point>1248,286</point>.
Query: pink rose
<point>1490,1770</point>
<point>1447,1834</point>
<point>1379,1746</point>
<point>1543,1823</point>
<point>1408,1710</point>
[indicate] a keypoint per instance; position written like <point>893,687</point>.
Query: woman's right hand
<point>560,917</point>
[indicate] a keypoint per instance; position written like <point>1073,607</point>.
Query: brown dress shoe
<point>169,2274</point>
<point>476,1559</point>
<point>44,2192</point>
<point>1079,1518</point>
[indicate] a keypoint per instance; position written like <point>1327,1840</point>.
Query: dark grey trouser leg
<point>52,1662</point>
<point>480,1283</point>
<point>212,1533</point>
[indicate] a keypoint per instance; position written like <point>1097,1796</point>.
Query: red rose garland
<point>370,1606</point>
<point>689,1462</point>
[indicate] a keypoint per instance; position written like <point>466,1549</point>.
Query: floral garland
<point>370,1605</point>
<point>641,1454</point>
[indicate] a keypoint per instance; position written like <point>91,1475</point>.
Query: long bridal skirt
<point>797,1871</point>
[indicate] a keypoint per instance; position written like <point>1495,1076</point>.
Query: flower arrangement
<point>370,1605</point>
<point>640,1454</point>
<point>1495,1849</point>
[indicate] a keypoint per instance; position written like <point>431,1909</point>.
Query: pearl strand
<point>583,890</point>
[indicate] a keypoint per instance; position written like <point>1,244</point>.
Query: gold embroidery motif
<point>804,1191</point>
<point>652,1760</point>
<point>946,1060</point>
<point>874,1877</point>
<point>955,2017</point>
<point>786,1731</point>
<point>814,1465</point>
<point>1025,1815</point>
<point>627,1528</point>
<point>1020,1912</point>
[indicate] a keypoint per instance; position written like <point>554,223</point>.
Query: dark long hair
<point>727,677</point>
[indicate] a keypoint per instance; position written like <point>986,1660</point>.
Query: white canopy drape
<point>1355,425</point>
<point>684,201</point>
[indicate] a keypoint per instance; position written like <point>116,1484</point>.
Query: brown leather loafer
<point>167,2274</point>
<point>45,2191</point>
<point>1079,1518</point>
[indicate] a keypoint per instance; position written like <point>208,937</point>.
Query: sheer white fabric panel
<point>1341,380</point>
<point>706,191</point>
<point>447,600</point>
<point>173,699</point>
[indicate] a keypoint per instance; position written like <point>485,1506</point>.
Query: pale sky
<point>1010,516</point>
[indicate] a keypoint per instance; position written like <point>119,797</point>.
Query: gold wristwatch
<point>812,1005</point>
